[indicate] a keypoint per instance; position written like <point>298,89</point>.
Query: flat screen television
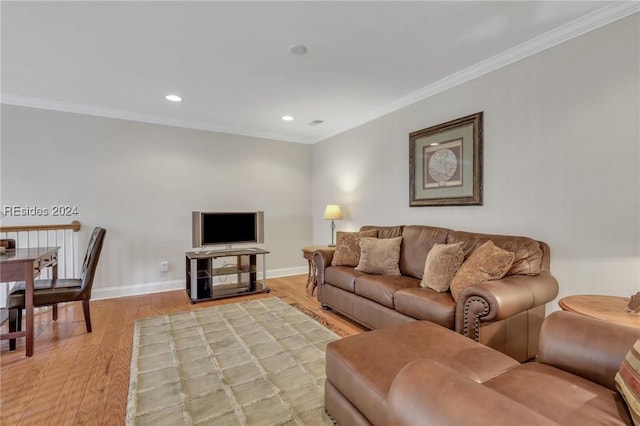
<point>227,228</point>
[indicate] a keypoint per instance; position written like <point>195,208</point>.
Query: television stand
<point>234,275</point>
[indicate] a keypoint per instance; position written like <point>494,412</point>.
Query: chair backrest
<point>8,243</point>
<point>91,261</point>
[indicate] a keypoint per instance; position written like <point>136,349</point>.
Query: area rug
<point>259,362</point>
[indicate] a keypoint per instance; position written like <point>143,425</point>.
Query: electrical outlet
<point>164,266</point>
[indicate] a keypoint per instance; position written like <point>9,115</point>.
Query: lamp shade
<point>332,212</point>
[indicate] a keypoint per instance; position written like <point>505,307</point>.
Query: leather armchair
<point>571,382</point>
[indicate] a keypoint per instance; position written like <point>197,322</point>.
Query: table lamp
<point>332,212</point>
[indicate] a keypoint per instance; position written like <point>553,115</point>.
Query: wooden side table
<point>307,253</point>
<point>608,308</point>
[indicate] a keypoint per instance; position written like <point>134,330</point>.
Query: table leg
<point>28,302</point>
<point>314,283</point>
<point>309,286</point>
<point>309,272</point>
<point>54,277</point>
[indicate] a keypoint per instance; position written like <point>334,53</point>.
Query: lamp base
<point>333,231</point>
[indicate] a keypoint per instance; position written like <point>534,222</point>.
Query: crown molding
<point>31,102</point>
<point>599,18</point>
<point>592,21</point>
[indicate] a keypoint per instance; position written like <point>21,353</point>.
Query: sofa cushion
<point>380,288</point>
<point>443,261</point>
<point>417,240</point>
<point>343,277</point>
<point>379,256</point>
<point>348,247</point>
<point>561,396</point>
<point>363,367</point>
<point>527,251</point>
<point>426,304</point>
<point>385,231</point>
<point>488,262</point>
<point>628,381</point>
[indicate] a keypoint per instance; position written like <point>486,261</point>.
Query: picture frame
<point>445,163</point>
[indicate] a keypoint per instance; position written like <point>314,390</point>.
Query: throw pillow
<point>628,382</point>
<point>443,261</point>
<point>348,247</point>
<point>380,256</point>
<point>488,262</point>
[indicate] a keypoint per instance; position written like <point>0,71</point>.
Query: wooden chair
<point>51,292</point>
<point>8,243</point>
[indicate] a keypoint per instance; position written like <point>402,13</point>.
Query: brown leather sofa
<point>423,374</point>
<point>504,314</point>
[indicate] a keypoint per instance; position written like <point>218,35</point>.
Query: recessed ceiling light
<point>298,49</point>
<point>287,118</point>
<point>173,98</point>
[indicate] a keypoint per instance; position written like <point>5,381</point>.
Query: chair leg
<point>15,324</point>
<point>87,315</point>
<point>54,312</point>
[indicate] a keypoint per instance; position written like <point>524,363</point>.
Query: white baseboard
<point>136,289</point>
<point>156,287</point>
<point>286,272</point>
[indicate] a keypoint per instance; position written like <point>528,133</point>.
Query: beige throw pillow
<point>487,262</point>
<point>380,256</point>
<point>628,382</point>
<point>443,261</point>
<point>348,247</point>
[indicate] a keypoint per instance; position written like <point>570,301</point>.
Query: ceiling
<point>232,65</point>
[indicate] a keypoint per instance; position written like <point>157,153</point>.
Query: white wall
<point>561,160</point>
<point>141,182</point>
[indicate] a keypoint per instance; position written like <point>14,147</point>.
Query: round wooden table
<point>307,253</point>
<point>608,308</point>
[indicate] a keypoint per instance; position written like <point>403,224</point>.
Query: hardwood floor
<point>80,378</point>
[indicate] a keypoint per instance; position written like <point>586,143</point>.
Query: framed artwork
<point>445,164</point>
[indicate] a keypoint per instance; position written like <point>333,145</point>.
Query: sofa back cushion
<point>527,251</point>
<point>385,231</point>
<point>417,240</point>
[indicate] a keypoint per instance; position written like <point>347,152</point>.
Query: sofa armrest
<point>587,347</point>
<point>426,389</point>
<point>321,260</point>
<point>500,299</point>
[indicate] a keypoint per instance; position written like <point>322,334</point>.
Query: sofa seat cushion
<point>343,277</point>
<point>363,367</point>
<point>561,396</point>
<point>426,304</point>
<point>380,288</point>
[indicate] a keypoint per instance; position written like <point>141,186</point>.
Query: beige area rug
<point>252,363</point>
